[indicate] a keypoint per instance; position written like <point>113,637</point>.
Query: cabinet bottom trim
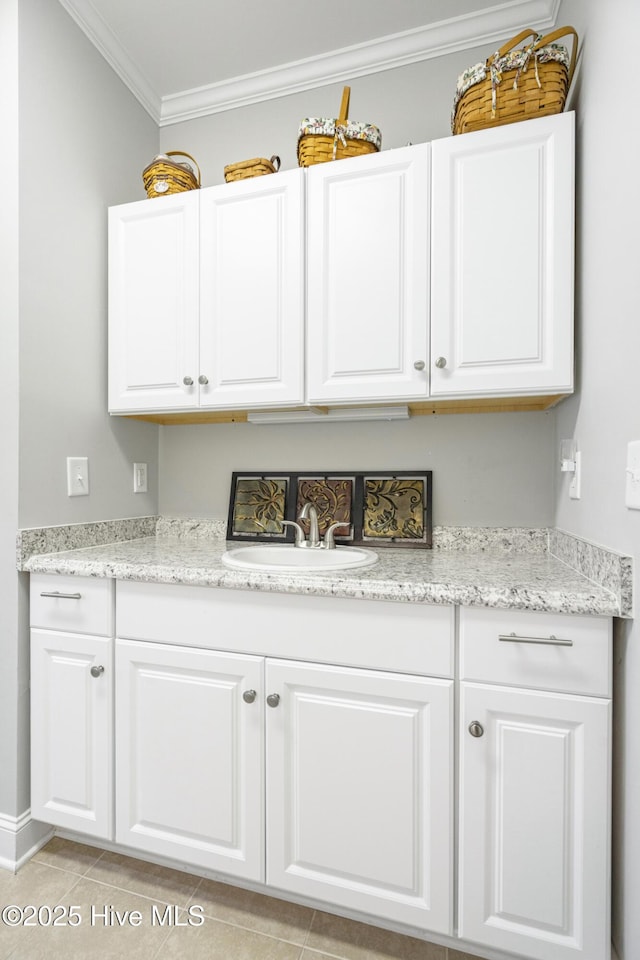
<point>418,409</point>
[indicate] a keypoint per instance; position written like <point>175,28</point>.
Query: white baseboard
<point>20,838</point>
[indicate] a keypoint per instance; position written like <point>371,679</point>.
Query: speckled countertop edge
<point>510,568</point>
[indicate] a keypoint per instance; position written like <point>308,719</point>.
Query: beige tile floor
<point>236,924</point>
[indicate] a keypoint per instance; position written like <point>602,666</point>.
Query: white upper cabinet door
<point>359,790</point>
<point>153,304</point>
<point>502,260</point>
<point>252,292</point>
<point>189,756</point>
<point>534,823</point>
<point>368,276</point>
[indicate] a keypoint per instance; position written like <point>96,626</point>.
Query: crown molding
<point>104,39</point>
<point>487,26</point>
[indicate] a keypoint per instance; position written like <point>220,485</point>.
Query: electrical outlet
<point>77,476</point>
<point>140,482</point>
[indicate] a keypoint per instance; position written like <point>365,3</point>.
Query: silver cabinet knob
<point>419,365</point>
<point>249,696</point>
<point>188,381</point>
<point>203,380</point>
<point>441,363</point>
<point>476,729</point>
<point>273,699</point>
<point>97,671</point>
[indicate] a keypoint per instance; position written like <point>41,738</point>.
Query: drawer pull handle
<point>551,640</point>
<point>61,596</point>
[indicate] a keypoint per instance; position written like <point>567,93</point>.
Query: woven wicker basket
<point>164,176</point>
<point>321,140</point>
<point>257,167</point>
<point>516,84</point>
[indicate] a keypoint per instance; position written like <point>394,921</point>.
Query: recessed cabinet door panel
<point>252,307</point>
<point>502,260</point>
<point>189,756</point>
<point>534,816</point>
<point>367,237</point>
<point>359,790</point>
<point>71,740</point>
<point>153,304</point>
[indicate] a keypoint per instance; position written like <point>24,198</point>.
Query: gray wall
<point>489,469</point>
<point>605,415</point>
<point>84,141</point>
<point>10,686</point>
<point>75,140</point>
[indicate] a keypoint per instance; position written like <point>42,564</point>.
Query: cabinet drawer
<point>75,604</point>
<point>550,651</point>
<point>376,634</point>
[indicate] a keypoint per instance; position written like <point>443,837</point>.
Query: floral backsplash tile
<point>259,505</point>
<point>382,508</point>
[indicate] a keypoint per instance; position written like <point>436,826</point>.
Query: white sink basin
<point>285,558</point>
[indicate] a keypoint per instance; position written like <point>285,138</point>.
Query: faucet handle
<point>300,534</point>
<point>329,542</point>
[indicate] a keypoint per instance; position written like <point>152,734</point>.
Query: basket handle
<point>181,153</point>
<point>555,35</point>
<point>512,43</point>
<point>344,106</point>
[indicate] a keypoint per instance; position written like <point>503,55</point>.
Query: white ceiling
<point>190,58</point>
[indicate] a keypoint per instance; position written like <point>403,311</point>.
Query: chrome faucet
<point>310,513</point>
<point>329,541</point>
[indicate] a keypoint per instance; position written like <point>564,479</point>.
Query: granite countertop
<point>490,573</point>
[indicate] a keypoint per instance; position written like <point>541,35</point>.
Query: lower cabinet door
<point>359,781</point>
<point>534,822</point>
<point>71,738</point>
<point>189,736</point>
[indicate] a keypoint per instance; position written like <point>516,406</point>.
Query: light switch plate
<point>140,478</point>
<point>77,476</point>
<point>632,490</point>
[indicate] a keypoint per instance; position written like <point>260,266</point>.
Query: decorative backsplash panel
<point>385,508</point>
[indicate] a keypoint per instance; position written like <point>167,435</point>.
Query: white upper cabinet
<point>502,260</point>
<point>252,292</point>
<point>206,298</point>
<point>153,304</point>
<point>368,257</point>
<point>440,270</point>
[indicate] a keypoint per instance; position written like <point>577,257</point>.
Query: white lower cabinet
<point>189,755</point>
<point>271,738</point>
<point>534,822</point>
<point>358,775</point>
<point>359,790</point>
<point>72,703</point>
<point>72,710</point>
<point>535,808</point>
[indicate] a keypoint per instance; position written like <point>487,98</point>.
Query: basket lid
<point>351,130</point>
<point>513,60</point>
